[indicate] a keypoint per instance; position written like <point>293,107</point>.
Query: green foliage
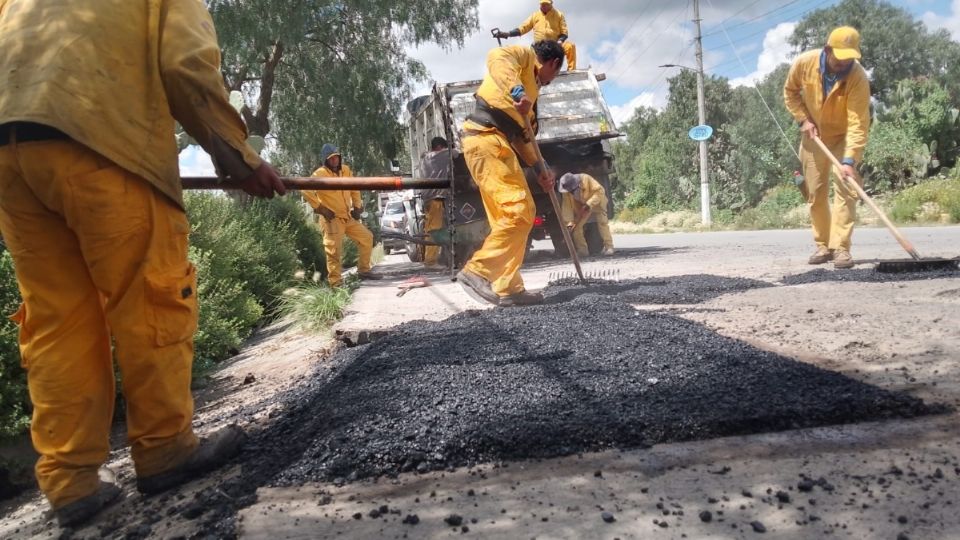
<point>894,158</point>
<point>315,307</point>
<point>782,207</point>
<point>321,71</point>
<point>14,401</point>
<point>924,109</point>
<point>636,214</point>
<point>927,200</point>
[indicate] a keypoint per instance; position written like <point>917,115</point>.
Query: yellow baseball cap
<point>546,2</point>
<point>845,42</point>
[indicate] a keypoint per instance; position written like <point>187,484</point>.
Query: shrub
<point>314,307</point>
<point>942,194</point>
<point>637,214</point>
<point>14,401</point>
<point>894,158</point>
<point>778,204</point>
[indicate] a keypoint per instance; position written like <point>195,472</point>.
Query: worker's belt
<point>29,132</point>
<point>491,117</point>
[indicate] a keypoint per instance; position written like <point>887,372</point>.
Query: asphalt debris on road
<point>863,275</point>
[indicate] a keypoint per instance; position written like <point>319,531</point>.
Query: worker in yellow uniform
<point>435,164</point>
<point>495,140</point>
<point>340,213</point>
<point>548,24</point>
<point>828,93</point>
<point>91,210</point>
<point>583,197</point>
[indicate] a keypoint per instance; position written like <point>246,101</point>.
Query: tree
<point>894,45</point>
<point>321,71</point>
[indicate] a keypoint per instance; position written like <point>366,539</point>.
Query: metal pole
<point>702,111</point>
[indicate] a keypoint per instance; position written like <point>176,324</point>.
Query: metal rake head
<point>606,274</point>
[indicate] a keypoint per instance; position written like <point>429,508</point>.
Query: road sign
<point>701,133</point>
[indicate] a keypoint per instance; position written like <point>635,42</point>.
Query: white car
<point>393,219</point>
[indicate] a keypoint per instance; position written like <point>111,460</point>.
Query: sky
<point>628,39</point>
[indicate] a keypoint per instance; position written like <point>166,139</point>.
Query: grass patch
<point>316,307</point>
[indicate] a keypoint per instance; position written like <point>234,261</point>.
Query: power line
<point>640,54</point>
<point>752,19</point>
<point>783,18</point>
<point>625,48</point>
<point>630,29</point>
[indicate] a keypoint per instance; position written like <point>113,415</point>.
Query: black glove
<point>356,213</point>
<point>501,35</point>
<point>325,212</point>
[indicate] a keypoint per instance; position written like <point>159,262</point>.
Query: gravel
<point>862,275</point>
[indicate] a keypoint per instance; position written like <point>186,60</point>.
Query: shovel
<point>918,263</point>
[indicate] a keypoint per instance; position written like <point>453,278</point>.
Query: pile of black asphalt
<point>585,371</point>
<point>865,275</point>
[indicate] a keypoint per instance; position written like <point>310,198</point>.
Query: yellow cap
<point>546,2</point>
<point>845,42</point>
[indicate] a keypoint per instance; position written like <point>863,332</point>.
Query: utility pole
<point>702,110</point>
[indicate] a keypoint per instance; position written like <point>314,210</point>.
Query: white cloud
<point>950,23</point>
<point>616,37</point>
<point>776,50</point>
<point>622,113</point>
<point>195,162</point>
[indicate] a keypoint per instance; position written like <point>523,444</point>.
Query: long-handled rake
<point>917,263</point>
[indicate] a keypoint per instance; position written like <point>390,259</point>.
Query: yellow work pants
<point>830,230</point>
<point>570,50</point>
<point>99,252</point>
<point>510,210</point>
<point>333,233</point>
<point>434,222</point>
<point>603,225</point>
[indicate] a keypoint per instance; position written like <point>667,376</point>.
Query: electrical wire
<point>640,54</point>
<point>616,58</point>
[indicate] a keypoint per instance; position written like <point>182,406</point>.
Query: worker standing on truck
<point>91,210</point>
<point>435,164</point>
<point>828,93</point>
<point>548,24</point>
<point>495,136</point>
<point>340,213</point>
<point>583,196</point>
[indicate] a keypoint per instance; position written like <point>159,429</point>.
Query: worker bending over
<point>828,94</point>
<point>548,24</point>
<point>340,212</point>
<point>583,196</point>
<point>494,135</point>
<point>92,212</point>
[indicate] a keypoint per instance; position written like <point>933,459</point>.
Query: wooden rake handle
<point>556,205</point>
<point>852,183</point>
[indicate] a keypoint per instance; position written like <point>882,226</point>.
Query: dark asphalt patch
<point>861,275</point>
<point>693,289</point>
<point>553,380</point>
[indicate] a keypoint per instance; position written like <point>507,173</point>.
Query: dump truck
<point>576,127</point>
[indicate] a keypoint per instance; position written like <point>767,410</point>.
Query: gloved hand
<point>501,34</point>
<point>325,212</point>
<point>356,214</point>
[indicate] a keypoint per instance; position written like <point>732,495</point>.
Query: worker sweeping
<point>584,197</point>
<point>548,24</point>
<point>828,94</point>
<point>91,210</point>
<point>494,144</point>
<point>435,164</point>
<point>340,213</point>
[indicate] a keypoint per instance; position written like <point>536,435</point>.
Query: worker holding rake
<point>828,94</point>
<point>91,209</point>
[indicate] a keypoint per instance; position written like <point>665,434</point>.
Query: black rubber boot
<point>211,453</point>
<point>525,298</point>
<point>478,288</point>
<point>80,511</point>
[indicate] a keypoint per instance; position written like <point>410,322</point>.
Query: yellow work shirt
<point>340,202</point>
<point>591,195</point>
<point>843,115</point>
<point>506,68</point>
<point>115,77</point>
<point>545,27</point>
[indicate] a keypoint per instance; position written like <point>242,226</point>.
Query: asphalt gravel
<point>864,275</point>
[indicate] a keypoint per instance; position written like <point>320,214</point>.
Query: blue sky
<point>629,39</point>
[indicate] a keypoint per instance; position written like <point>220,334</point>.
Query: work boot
<point>373,276</point>
<point>80,511</point>
<point>607,252</point>
<point>211,453</point>
<point>842,259</point>
<point>523,298</point>
<point>478,288</point>
<point>821,256</point>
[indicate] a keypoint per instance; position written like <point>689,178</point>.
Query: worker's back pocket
<point>172,305</point>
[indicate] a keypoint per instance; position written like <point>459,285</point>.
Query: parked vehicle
<point>393,219</point>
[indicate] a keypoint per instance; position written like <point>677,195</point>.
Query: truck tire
<point>556,236</point>
<point>386,250</point>
<point>592,235</point>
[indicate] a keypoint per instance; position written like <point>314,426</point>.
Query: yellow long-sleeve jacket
<point>114,74</point>
<point>545,27</point>
<point>843,115</point>
<point>506,68</point>
<point>591,195</point>
<point>340,202</point>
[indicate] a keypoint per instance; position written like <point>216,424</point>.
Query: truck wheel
<point>556,236</point>
<point>386,250</point>
<point>592,235</point>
